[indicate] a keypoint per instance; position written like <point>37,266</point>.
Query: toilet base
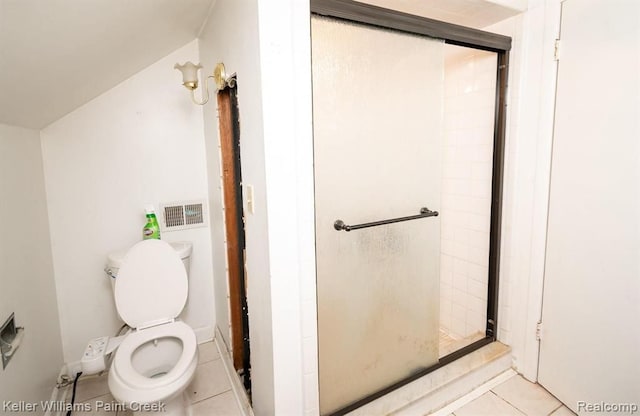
<point>178,406</point>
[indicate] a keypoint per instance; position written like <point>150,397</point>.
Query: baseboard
<point>204,334</point>
<point>58,394</point>
<point>468,398</point>
<point>236,385</point>
<point>444,385</point>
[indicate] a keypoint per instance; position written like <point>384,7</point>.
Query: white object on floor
<point>93,359</point>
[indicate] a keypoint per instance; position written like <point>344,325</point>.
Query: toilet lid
<point>151,286</point>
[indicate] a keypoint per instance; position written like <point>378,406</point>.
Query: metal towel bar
<point>425,212</point>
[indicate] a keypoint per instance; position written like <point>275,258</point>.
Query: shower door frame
<point>460,36</point>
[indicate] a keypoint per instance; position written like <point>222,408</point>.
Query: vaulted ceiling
<point>56,55</point>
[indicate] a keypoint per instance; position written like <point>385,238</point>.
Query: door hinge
<point>556,50</point>
<point>539,331</point>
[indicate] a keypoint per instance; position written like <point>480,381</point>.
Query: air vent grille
<point>193,214</point>
<point>174,216</point>
<point>183,215</point>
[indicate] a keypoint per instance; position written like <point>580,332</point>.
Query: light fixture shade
<point>189,74</point>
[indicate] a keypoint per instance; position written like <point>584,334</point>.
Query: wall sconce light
<point>190,79</point>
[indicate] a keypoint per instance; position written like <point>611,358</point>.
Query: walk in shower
<point>408,143</point>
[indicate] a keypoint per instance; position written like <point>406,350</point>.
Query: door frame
<point>460,36</point>
<point>229,128</point>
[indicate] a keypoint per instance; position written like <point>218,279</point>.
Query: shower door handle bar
<point>425,212</point>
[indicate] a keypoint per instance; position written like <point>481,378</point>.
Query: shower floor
<point>449,344</point>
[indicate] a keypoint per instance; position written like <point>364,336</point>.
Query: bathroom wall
<point>240,55</point>
<point>530,115</point>
<point>285,50</point>
<point>27,286</point>
<point>469,109</point>
<point>140,142</point>
<point>267,45</point>
<point>282,40</point>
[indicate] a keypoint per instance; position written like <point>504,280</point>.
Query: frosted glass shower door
<point>377,104</point>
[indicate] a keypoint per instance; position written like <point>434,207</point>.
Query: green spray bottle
<point>151,228</point>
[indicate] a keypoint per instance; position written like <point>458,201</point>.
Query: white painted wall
<point>285,49</point>
<point>591,285</point>
<point>141,142</point>
<point>531,95</point>
<point>241,55</point>
<point>284,42</point>
<point>26,272</point>
<point>267,43</point>
<point>284,344</point>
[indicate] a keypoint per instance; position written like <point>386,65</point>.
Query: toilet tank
<point>114,260</point>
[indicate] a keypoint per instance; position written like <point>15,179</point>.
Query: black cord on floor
<point>73,396</point>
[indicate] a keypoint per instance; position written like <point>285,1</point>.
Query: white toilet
<point>157,360</point>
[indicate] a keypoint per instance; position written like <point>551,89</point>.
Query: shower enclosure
<point>408,142</point>
<point>377,156</point>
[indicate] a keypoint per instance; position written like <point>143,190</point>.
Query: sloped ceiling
<point>56,55</point>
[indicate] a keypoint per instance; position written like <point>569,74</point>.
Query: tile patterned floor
<point>210,394</point>
<point>210,391</point>
<point>515,396</point>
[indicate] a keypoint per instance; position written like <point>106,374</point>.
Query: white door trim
<point>534,115</point>
<point>552,14</point>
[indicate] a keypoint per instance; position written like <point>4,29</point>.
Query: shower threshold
<point>442,386</point>
<point>449,344</point>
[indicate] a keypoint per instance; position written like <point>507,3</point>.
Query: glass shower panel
<point>378,104</point>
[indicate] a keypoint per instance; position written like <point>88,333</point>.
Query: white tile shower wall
<point>470,81</point>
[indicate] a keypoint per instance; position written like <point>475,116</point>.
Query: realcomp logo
<point>587,407</point>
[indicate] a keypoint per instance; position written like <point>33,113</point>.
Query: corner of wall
<point>27,280</point>
<point>527,168</point>
<point>140,142</point>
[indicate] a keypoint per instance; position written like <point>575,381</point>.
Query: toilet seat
<point>122,361</point>
<point>129,387</point>
<point>151,287</point>
<point>150,292</point>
